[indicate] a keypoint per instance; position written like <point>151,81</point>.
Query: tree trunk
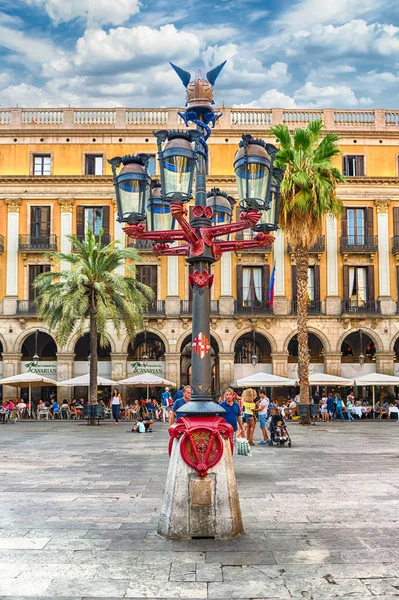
<point>93,352</point>
<point>302,263</point>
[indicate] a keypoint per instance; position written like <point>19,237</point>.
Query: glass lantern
<point>269,219</point>
<point>132,187</point>
<point>222,206</point>
<point>177,161</point>
<point>159,217</point>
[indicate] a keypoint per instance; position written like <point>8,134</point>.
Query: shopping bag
<point>243,447</point>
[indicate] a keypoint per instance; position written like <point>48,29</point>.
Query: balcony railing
<point>1,244</point>
<point>357,307</point>
<point>42,243</point>
<point>26,307</point>
<point>241,308</point>
<point>235,118</point>
<point>395,244</point>
<point>186,307</point>
<point>156,307</point>
<point>314,308</point>
<point>140,244</point>
<point>248,234</point>
<point>105,239</point>
<point>358,243</point>
<point>318,247</point>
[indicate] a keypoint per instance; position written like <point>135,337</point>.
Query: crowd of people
<point>332,407</point>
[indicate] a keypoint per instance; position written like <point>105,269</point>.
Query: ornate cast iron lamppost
<point>200,440</point>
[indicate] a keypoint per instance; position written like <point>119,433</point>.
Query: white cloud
<point>33,49</point>
<point>4,79</point>
<point>377,80</point>
<point>307,13</point>
<point>270,99</point>
<point>93,11</point>
<point>330,72</point>
<point>310,95</point>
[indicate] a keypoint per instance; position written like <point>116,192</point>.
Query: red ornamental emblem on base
<point>201,345</point>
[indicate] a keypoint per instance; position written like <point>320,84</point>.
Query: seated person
<point>133,410</point>
<point>21,408</point>
<point>139,427</point>
<point>65,409</point>
<point>377,409</point>
<point>54,409</point>
<point>147,421</point>
<point>6,409</point>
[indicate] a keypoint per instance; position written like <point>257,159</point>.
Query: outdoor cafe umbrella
<point>84,380</point>
<point>373,379</point>
<point>263,380</point>
<point>146,380</point>
<point>326,379</point>
<point>28,379</point>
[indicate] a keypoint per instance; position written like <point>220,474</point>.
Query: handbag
<point>243,447</point>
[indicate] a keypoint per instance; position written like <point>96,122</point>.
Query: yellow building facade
<point>55,180</point>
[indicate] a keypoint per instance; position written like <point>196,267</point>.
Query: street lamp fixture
<point>222,206</point>
<point>177,161</point>
<point>132,187</point>
<point>144,358</point>
<point>361,355</point>
<point>36,357</point>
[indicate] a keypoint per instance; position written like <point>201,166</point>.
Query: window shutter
<point>396,220</point>
<point>153,279</point>
<point>397,282</point>
<point>370,284</point>
<point>345,165</point>
<point>369,222</point>
<point>80,222</point>
<point>316,271</point>
<point>359,166</point>
<point>45,221</point>
<point>239,285</point>
<point>106,219</point>
<point>265,284</point>
<point>293,283</point>
<point>344,223</point>
<point>346,282</point>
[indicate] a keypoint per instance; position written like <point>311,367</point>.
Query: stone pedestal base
<point>333,306</point>
<point>200,508</point>
<point>280,306</point>
<point>388,306</point>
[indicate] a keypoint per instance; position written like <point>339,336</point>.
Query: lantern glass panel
<point>257,175</point>
<point>132,196</point>
<point>178,174</point>
<point>159,215</point>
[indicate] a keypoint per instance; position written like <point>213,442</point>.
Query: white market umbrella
<point>263,380</point>
<point>28,379</point>
<point>326,379</point>
<point>84,380</point>
<point>146,380</point>
<point>374,379</point>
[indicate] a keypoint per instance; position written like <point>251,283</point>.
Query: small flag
<point>271,285</point>
<point>201,345</point>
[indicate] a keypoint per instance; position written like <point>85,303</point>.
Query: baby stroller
<point>278,431</point>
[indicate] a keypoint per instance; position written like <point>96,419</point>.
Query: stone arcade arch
<point>246,345</point>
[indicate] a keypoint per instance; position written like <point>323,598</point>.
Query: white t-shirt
<point>141,427</point>
<point>116,400</point>
<point>263,405</point>
<point>21,405</point>
<point>292,404</point>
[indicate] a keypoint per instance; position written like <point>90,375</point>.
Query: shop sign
<point>292,370</point>
<point>47,369</point>
<point>153,366</point>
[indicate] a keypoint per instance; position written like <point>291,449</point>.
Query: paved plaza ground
<point>79,509</point>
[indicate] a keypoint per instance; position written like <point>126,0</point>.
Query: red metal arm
<point>138,232</point>
<point>247,220</point>
<point>165,250</point>
<point>191,236</point>
<point>261,240</point>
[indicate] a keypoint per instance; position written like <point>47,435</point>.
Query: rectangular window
<point>34,271</point>
<point>93,219</point>
<point>152,165</point>
<point>311,284</point>
<point>252,287</point>
<point>356,226</point>
<point>358,287</point>
<point>41,164</point>
<point>148,274</point>
<point>40,222</point>
<point>93,164</point>
<point>353,166</point>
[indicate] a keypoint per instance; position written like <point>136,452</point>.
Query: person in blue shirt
<point>179,393</point>
<point>330,407</point>
<point>232,416</point>
<point>165,399</point>
<point>338,407</point>
<point>178,403</point>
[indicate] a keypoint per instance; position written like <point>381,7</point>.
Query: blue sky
<point>102,53</point>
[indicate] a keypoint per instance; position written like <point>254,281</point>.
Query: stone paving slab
<point>79,511</point>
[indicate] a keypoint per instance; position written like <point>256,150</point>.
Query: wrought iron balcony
<point>105,239</point>
<point>42,243</point>
<point>1,244</point>
<point>186,307</point>
<point>358,244</point>
<point>314,308</point>
<point>243,308</point>
<point>140,244</point>
<point>395,244</point>
<point>248,234</point>
<point>26,307</point>
<point>156,307</point>
<point>318,247</point>
<point>356,307</point>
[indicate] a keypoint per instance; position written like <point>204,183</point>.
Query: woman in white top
<point>116,403</point>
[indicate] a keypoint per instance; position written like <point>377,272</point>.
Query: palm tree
<point>91,289</point>
<point>308,193</point>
